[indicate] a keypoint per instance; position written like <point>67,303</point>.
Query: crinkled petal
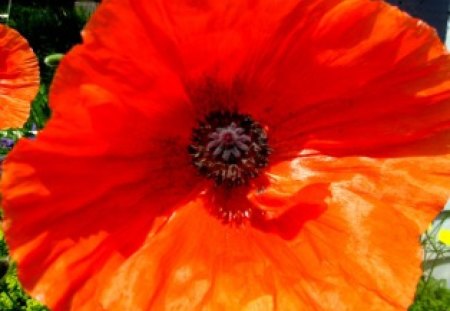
<point>19,78</point>
<point>361,249</point>
<point>213,267</point>
<point>349,76</point>
<point>89,188</point>
<point>197,41</point>
<point>211,37</point>
<point>359,253</point>
<point>367,235</point>
<point>137,71</point>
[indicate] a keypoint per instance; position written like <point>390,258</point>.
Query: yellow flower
<point>444,236</point>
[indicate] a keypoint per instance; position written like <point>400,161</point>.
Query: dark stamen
<point>229,148</point>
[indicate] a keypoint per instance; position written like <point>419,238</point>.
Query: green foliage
<point>16,134</point>
<point>13,134</point>
<point>40,3</point>
<point>12,296</point>
<point>431,295</point>
<point>48,29</point>
<point>40,111</point>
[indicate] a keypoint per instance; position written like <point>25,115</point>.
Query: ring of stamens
<point>229,148</point>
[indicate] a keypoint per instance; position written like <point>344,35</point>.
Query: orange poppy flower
<point>235,155</point>
<point>19,78</point>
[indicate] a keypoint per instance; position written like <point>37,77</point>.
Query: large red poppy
<point>235,155</point>
<point>19,78</point>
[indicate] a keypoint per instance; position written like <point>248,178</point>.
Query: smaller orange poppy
<point>19,78</point>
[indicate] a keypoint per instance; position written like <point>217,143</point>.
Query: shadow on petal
<point>311,203</point>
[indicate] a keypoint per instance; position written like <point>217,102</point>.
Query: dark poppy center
<point>229,148</point>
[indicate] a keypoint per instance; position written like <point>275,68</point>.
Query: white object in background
<point>447,40</point>
<point>5,9</point>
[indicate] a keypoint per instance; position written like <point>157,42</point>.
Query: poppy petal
<point>391,179</point>
<point>59,211</point>
<point>129,119</point>
<point>211,37</point>
<point>350,76</point>
<point>213,265</point>
<point>19,78</point>
<point>368,215</point>
<point>188,271</point>
<point>137,73</point>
